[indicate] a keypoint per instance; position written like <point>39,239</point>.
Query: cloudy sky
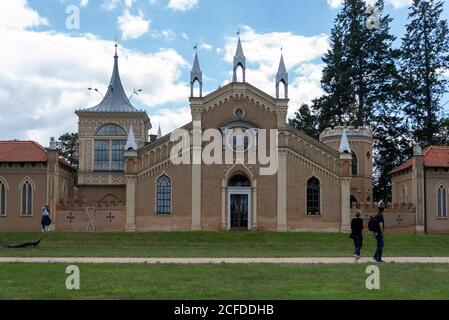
<point>47,60</point>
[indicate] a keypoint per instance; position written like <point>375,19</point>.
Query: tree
<point>392,146</point>
<point>360,79</point>
<point>69,148</point>
<point>424,59</point>
<point>305,121</point>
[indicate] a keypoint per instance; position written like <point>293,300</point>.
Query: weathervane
<point>135,92</point>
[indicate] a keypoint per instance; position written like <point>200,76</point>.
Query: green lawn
<point>217,244</point>
<point>47,281</point>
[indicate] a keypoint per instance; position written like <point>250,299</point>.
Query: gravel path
<point>444,260</point>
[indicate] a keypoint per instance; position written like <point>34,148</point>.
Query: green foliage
<point>305,121</point>
<point>69,148</point>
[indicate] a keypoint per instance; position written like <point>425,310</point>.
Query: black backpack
<point>372,224</point>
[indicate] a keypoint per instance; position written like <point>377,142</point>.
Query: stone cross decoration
<point>71,217</point>
<point>110,217</point>
<point>399,219</point>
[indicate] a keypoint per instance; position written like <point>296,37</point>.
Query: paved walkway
<point>444,260</point>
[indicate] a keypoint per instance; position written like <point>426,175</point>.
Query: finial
<point>195,47</point>
<point>116,46</point>
<point>238,32</point>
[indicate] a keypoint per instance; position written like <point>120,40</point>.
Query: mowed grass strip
<point>217,244</point>
<point>297,282</point>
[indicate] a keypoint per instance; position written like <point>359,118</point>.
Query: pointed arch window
<point>404,195</point>
<point>354,164</point>
<point>27,198</point>
<point>163,195</point>
<point>313,197</point>
<point>442,202</point>
<point>2,198</point>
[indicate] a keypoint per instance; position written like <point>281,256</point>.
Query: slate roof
<point>115,99</point>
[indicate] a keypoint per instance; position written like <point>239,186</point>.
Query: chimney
<point>153,137</point>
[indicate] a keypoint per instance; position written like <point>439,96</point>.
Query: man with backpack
<point>377,226</point>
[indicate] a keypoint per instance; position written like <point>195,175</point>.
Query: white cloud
<point>334,3</point>
<point>129,3</point>
<point>397,4</point>
<point>84,3</point>
<point>109,5</point>
<point>184,36</point>
<point>170,119</point>
<point>206,46</point>
<point>44,76</point>
<point>133,27</point>
<point>301,53</point>
<point>17,14</point>
<point>182,5</point>
<point>169,35</point>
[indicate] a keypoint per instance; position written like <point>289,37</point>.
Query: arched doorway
<point>239,202</point>
<point>353,202</point>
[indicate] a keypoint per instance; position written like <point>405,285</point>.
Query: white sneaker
<point>373,260</point>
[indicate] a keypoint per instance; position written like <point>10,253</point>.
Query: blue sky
<point>45,67</point>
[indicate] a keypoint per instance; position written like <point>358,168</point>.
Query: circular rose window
<point>239,113</point>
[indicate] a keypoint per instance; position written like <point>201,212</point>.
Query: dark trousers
<point>380,247</point>
<point>358,242</point>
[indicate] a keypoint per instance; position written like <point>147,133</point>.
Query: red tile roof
<point>22,151</point>
<point>434,157</point>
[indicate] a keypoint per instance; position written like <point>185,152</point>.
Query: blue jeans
<point>380,247</point>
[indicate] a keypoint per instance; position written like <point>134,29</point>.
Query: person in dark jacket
<point>379,233</point>
<point>357,234</point>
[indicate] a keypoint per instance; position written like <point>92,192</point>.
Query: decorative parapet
<point>350,131</point>
<point>100,178</point>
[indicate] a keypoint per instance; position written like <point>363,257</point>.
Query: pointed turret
<point>282,77</point>
<point>131,144</point>
<point>196,75</point>
<point>159,132</point>
<point>239,61</point>
<point>344,143</point>
<point>115,99</point>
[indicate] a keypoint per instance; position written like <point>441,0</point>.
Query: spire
<point>115,99</point>
<point>344,143</point>
<point>282,77</point>
<point>196,74</point>
<point>239,60</point>
<point>131,142</point>
<point>159,132</point>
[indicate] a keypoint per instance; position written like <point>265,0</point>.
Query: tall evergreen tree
<point>424,59</point>
<point>305,121</point>
<point>360,81</point>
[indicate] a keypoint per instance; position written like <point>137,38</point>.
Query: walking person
<point>45,221</point>
<point>357,235</point>
<point>379,230</point>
